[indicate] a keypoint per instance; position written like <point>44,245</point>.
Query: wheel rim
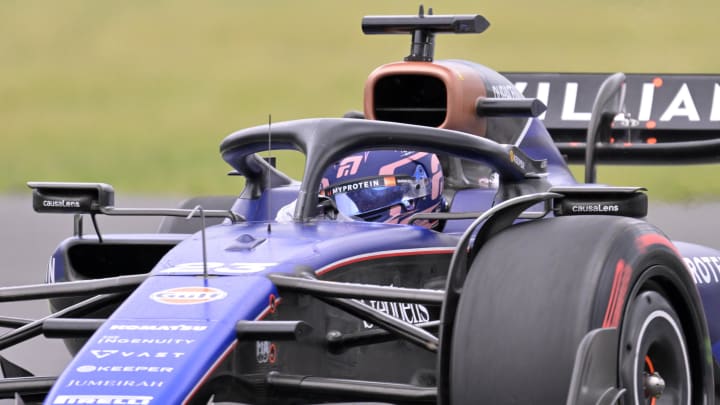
<point>659,367</point>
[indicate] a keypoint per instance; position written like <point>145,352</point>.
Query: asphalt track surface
<point>28,239</point>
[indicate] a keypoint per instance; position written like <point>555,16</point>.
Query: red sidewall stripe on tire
<point>623,274</point>
<point>621,283</point>
<point>644,241</point>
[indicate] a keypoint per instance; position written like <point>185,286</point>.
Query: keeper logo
<point>123,369</point>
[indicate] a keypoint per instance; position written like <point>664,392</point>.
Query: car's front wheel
<point>536,290</point>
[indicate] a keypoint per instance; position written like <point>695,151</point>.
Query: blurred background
<point>139,94</point>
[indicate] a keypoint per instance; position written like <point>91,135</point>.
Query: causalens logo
<point>594,208</point>
<point>61,204</point>
<point>188,295</point>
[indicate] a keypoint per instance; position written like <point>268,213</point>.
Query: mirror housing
<point>71,198</point>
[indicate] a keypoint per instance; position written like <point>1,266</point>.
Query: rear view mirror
<point>71,198</point>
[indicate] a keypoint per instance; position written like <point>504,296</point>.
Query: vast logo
<point>101,354</point>
<point>188,295</point>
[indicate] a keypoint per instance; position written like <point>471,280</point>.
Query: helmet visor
<point>361,196</point>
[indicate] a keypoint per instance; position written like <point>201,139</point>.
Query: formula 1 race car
<point>520,286</point>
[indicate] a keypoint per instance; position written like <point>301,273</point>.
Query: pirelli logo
<point>102,399</point>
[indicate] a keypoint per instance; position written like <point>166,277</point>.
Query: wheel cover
<point>659,368</point>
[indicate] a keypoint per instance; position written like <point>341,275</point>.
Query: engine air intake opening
<point>411,99</point>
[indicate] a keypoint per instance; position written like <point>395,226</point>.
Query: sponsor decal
<point>143,341</point>
<point>350,165</point>
<point>188,295</point>
<point>569,112</point>
<point>266,352</point>
<point>408,312</point>
<point>682,104</point>
<point>594,208</point>
<point>102,399</point>
<point>174,328</point>
<point>115,383</point>
<point>355,185</point>
<point>505,91</point>
<point>704,269</point>
<point>219,268</point>
<point>123,369</point>
<point>61,204</point>
<point>516,159</point>
<point>104,353</point>
<point>650,99</point>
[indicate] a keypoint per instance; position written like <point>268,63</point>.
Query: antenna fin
<point>269,205</point>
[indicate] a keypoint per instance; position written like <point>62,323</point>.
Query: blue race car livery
<point>529,287</point>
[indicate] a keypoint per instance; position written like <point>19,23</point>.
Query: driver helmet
<point>386,186</point>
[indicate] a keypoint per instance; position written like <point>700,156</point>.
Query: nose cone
<point>162,341</point>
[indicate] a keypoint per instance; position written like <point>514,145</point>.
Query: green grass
<point>139,94</point>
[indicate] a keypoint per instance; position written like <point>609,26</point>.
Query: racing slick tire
<point>536,289</point>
